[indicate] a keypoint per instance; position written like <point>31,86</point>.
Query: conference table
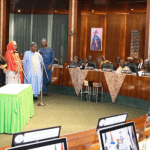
<point>16,107</point>
<point>133,86</point>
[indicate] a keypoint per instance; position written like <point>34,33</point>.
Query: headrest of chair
<point>90,83</point>
<point>97,85</point>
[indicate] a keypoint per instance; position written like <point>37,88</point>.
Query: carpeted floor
<point>71,113</point>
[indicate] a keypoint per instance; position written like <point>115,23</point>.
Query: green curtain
<point>22,26</point>
<point>60,36</point>
<point>34,27</point>
<point>39,28</point>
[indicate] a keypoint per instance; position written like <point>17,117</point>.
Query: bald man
<point>122,66</point>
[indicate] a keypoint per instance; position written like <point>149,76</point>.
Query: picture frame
<point>96,39</point>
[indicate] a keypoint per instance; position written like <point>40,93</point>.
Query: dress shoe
<point>35,98</point>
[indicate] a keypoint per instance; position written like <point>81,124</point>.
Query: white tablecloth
<point>13,88</point>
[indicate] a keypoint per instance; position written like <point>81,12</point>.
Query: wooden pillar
<point>147,32</point>
<point>74,26</point>
<point>4,25</point>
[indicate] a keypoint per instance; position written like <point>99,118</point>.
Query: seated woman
<point>3,65</point>
<point>75,62</point>
<point>122,66</point>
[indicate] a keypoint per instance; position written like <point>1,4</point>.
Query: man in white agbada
<point>32,63</point>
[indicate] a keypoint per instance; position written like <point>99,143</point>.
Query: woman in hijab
<point>13,61</point>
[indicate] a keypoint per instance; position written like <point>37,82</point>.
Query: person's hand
<point>56,59</point>
<point>4,70</point>
<point>49,67</point>
<point>16,71</point>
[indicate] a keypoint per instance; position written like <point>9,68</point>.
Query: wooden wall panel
<point>83,37</point>
<point>136,22</point>
<point>115,36</point>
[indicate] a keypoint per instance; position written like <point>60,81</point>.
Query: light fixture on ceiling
<point>92,10</point>
<point>55,10</point>
<point>132,9</point>
<point>19,10</point>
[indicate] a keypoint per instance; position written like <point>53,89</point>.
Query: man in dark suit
<point>75,62</point>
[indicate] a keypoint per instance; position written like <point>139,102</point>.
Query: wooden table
<point>133,86</point>
<point>88,139</point>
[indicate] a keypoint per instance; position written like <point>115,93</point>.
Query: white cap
<point>130,58</point>
<point>14,43</point>
<point>44,40</point>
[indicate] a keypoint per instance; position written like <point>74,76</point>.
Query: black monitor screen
<point>54,144</point>
<point>119,137</point>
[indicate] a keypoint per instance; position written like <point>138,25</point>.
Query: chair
<point>86,91</point>
<point>92,64</point>
<point>96,86</point>
<point>108,66</point>
<point>133,68</point>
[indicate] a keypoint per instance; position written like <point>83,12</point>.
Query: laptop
<point>111,120</point>
<point>119,137</point>
<point>27,137</point>
<point>53,144</point>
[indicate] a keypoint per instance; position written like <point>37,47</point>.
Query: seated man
<point>91,62</point>
<point>117,62</point>
<point>103,61</point>
<point>55,61</point>
<point>75,62</point>
<point>122,66</point>
<point>132,66</point>
<point>140,64</point>
<point>84,63</point>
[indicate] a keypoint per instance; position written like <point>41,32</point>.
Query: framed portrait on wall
<point>96,39</point>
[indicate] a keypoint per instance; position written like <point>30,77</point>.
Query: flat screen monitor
<point>53,144</point>
<point>119,137</point>
<point>111,120</point>
<point>21,138</point>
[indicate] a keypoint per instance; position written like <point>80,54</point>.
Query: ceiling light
<point>19,10</point>
<point>92,10</point>
<point>132,9</point>
<point>55,10</point>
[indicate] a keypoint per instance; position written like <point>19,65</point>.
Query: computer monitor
<point>53,144</point>
<point>111,120</point>
<point>119,137</point>
<point>26,137</point>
